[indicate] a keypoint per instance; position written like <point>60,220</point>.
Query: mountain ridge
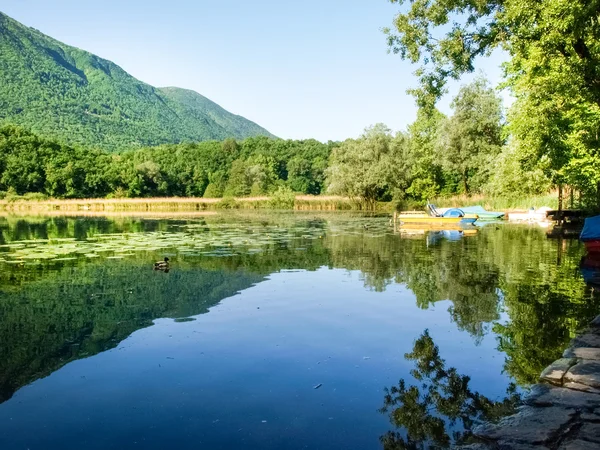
<point>72,95</point>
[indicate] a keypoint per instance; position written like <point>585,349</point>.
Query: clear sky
<point>312,68</point>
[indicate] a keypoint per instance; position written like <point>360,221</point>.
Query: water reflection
<point>590,270</point>
<point>440,401</point>
<point>71,288</point>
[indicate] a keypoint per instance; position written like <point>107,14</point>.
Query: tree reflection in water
<point>441,410</point>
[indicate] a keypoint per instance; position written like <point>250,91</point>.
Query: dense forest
<point>438,155</point>
<point>73,96</point>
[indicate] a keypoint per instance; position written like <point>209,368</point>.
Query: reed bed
<point>93,206</point>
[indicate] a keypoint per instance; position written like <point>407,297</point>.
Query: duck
<point>162,265</point>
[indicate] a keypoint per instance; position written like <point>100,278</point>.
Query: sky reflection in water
<point>323,301</point>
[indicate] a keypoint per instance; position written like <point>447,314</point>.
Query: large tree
<point>554,70</point>
<point>471,138</point>
<point>370,168</point>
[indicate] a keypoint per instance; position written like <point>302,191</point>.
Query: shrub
<point>228,203</point>
<point>35,196</point>
<point>282,198</point>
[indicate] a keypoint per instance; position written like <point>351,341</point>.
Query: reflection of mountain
<point>81,311</point>
<point>59,311</point>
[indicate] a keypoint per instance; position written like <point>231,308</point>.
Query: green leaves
<point>368,168</point>
<point>553,71</point>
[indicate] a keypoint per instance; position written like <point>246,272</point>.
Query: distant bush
<point>212,191</point>
<point>118,193</point>
<point>282,198</point>
<point>228,203</point>
<point>35,196</point>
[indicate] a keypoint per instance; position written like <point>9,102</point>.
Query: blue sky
<point>315,68</point>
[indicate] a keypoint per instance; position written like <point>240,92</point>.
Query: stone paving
<point>562,412</point>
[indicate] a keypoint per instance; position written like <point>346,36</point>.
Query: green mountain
<point>68,94</point>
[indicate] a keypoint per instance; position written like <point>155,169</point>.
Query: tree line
<point>30,165</point>
<point>466,152</point>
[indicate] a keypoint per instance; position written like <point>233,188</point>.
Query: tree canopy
<point>553,72</point>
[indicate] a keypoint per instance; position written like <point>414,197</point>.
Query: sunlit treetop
<point>445,37</point>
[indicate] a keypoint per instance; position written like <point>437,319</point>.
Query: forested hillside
<point>75,97</point>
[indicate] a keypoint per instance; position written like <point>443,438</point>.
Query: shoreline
<point>176,204</point>
<point>562,411</point>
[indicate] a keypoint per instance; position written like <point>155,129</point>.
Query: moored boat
<point>452,216</point>
<point>483,213</point>
<point>590,235</point>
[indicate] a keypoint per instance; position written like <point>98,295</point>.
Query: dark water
<point>274,331</point>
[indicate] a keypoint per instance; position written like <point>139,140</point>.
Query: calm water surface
<point>275,331</point>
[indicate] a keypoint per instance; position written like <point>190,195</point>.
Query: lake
<point>274,331</point>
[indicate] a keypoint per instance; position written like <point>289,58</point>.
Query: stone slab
<point>587,340</point>
<point>590,432</point>
<point>529,426</point>
<point>583,353</point>
<point>585,372</point>
<point>590,417</point>
<point>555,371</point>
<point>511,445</point>
<point>547,395</point>
<point>581,387</point>
<point>475,447</point>
<point>578,445</point>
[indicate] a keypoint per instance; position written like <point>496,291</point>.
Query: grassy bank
<point>141,206</point>
<point>500,203</point>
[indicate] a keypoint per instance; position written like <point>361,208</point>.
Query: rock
<point>585,372</point>
<point>590,417</point>
<point>583,353</point>
<point>474,447</point>
<point>587,340</point>
<point>581,387</point>
<point>547,395</point>
<point>555,371</point>
<point>508,445</point>
<point>596,322</point>
<point>578,445</point>
<point>529,426</point>
<point>590,432</point>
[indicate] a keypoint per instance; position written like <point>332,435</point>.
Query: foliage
<point>368,168</point>
<point>75,97</point>
<point>228,203</point>
<point>282,198</point>
<point>469,141</point>
<point>425,171</point>
<point>29,164</point>
<point>553,73</point>
<point>511,178</point>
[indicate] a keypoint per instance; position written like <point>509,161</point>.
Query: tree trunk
<point>560,198</point>
<point>465,184</point>
<point>572,198</point>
